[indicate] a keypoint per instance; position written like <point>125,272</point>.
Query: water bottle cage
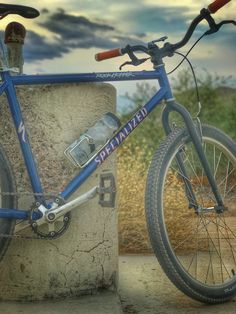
<point>69,151</point>
<point>91,143</point>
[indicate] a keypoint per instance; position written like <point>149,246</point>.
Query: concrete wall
<point>84,259</point>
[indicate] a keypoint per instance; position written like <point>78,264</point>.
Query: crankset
<point>53,229</point>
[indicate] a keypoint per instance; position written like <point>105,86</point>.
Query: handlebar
<point>168,49</point>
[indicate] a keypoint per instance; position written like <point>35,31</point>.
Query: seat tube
<point>22,135</point>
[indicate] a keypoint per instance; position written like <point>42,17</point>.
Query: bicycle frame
<point>164,93</point>
<point>8,86</point>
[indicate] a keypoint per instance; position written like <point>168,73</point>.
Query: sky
<point>67,34</point>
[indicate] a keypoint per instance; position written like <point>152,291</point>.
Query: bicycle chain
<point>21,236</point>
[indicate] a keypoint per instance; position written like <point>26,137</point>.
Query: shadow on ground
<point>145,289</point>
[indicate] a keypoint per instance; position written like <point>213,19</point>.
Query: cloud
<point>44,11</point>
<point>77,31</point>
<point>226,37</point>
<point>71,26</point>
<point>72,32</point>
<point>223,40</point>
<point>156,19</point>
<point>37,48</point>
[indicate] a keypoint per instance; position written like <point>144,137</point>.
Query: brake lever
<point>124,64</point>
<point>134,60</point>
<point>134,63</point>
<point>226,22</point>
<point>215,27</point>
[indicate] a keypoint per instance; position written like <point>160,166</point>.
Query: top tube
<point>84,77</point>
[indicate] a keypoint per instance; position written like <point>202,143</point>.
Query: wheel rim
<point>203,243</point>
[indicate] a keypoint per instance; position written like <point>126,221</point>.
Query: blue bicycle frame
<point>8,86</point>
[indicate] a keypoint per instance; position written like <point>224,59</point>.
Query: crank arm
<point>57,211</point>
<point>106,188</point>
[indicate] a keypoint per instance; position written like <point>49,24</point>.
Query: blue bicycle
<point>191,184</point>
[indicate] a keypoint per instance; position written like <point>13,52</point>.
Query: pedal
<point>107,190</point>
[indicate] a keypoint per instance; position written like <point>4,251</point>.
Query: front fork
<point>173,106</point>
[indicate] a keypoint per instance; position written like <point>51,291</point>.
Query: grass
<point>131,174</point>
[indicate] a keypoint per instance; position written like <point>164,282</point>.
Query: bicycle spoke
<point>195,253</point>
<point>222,226</point>
<point>214,158</point>
<point>226,180</point>
<point>192,183</point>
<point>201,186</point>
<point>231,247</point>
<point>193,202</point>
<point>217,164</point>
<point>202,240</point>
<point>217,252</point>
<point>202,170</point>
<point>217,228</point>
<point>193,169</point>
<point>222,182</point>
<point>228,228</point>
<point>188,238</point>
<point>210,265</point>
<point>196,176</point>
<point>230,190</point>
<point>184,221</point>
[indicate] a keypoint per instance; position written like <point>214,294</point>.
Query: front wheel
<point>196,248</point>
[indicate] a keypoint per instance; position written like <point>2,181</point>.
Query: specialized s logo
<point>21,130</point>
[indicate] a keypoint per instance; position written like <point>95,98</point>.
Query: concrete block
<point>85,258</point>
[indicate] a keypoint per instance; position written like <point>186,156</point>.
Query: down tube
<point>102,155</point>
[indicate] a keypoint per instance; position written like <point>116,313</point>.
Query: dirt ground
<point>144,289</point>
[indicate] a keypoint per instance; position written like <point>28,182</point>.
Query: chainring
<point>51,230</point>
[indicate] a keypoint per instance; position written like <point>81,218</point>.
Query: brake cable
<point>185,57</point>
<point>195,82</point>
<point>213,29</point>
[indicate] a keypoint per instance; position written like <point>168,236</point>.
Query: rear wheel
<point>196,248</point>
<point>6,201</point>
